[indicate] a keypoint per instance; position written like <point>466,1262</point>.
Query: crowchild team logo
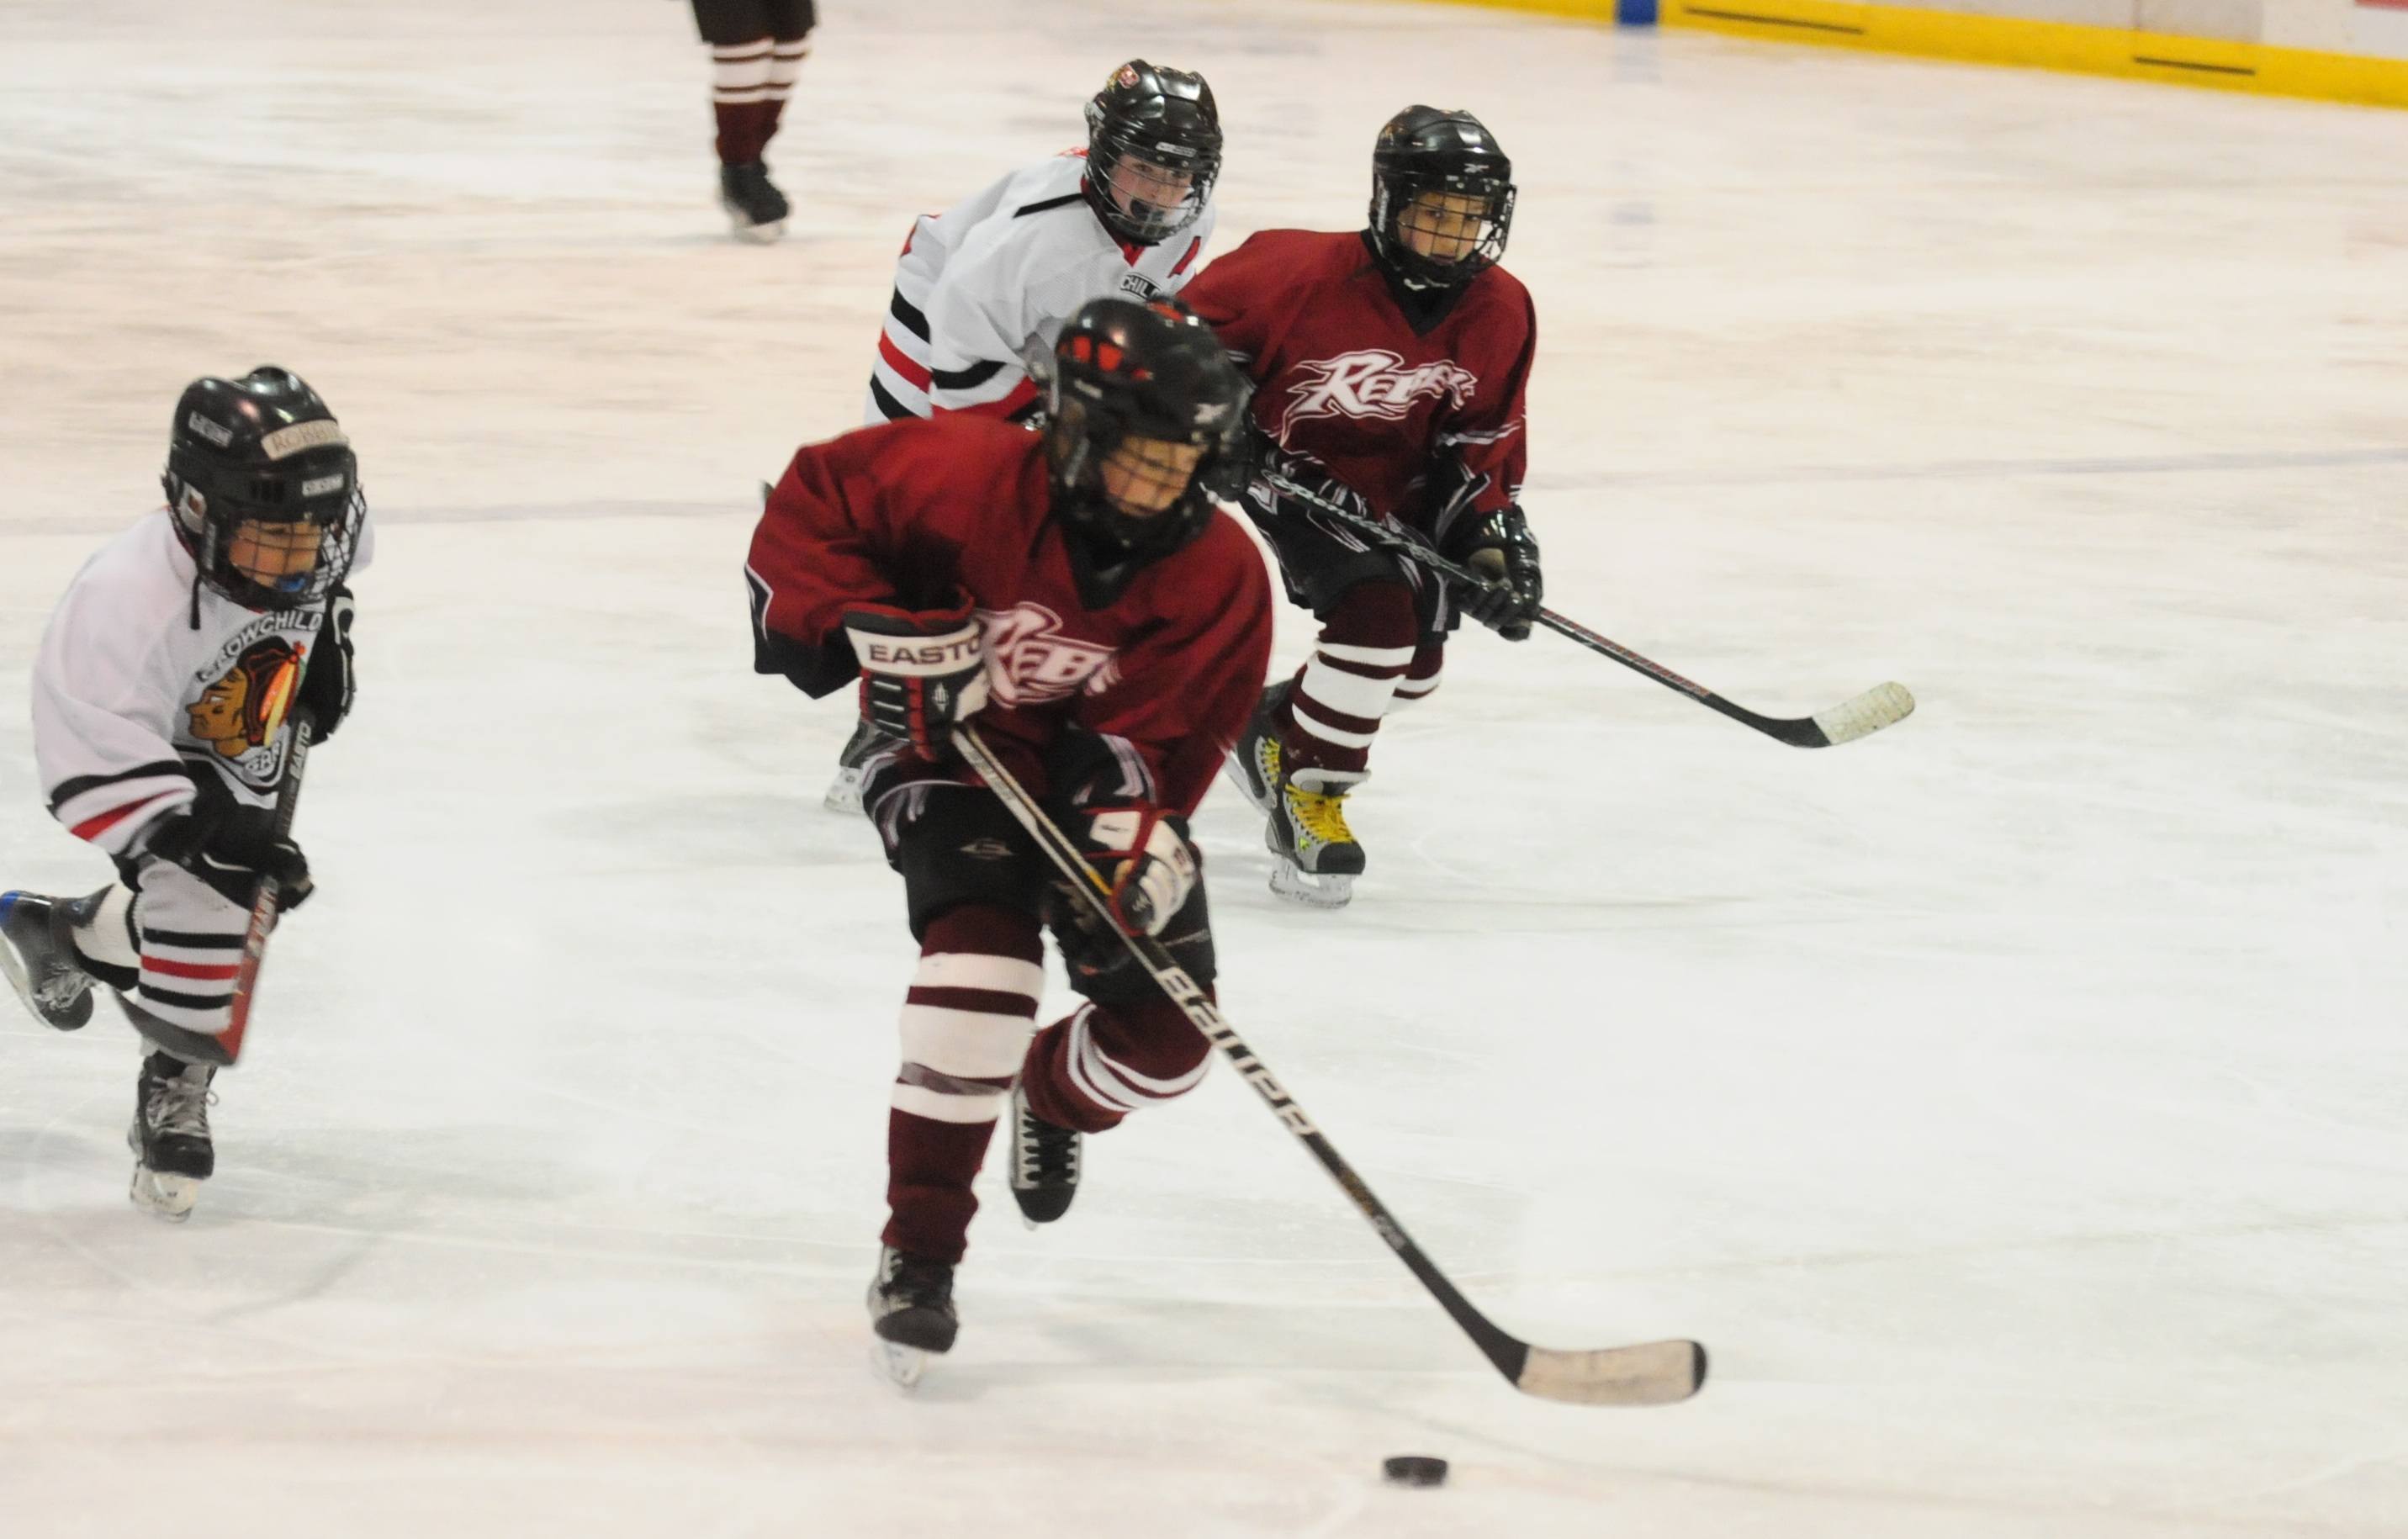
<point>1374,382</point>
<point>1029,661</point>
<point>241,711</point>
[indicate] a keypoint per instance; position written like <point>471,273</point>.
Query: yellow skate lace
<point>1321,815</point>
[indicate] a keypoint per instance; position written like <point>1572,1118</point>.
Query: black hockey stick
<point>1844,722</point>
<point>1651,1373</point>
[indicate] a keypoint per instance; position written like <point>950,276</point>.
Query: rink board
<point>2323,49</point>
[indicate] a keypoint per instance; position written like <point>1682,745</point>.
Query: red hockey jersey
<point>916,511</point>
<point>1349,377</point>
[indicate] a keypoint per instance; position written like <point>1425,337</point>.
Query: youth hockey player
<point>1077,593</point>
<point>993,278</point>
<point>162,693</point>
<point>1390,366</point>
<point>757,49</point>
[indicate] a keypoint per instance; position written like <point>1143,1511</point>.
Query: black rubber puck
<point>1415,1470</point>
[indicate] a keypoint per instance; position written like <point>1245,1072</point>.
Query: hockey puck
<point>1415,1470</point>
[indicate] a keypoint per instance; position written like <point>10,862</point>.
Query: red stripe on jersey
<point>915,373</point>
<point>1193,247</point>
<point>211,972</point>
<point>93,828</point>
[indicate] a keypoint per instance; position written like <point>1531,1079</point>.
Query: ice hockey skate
<point>1305,811</point>
<point>911,1311</point>
<point>37,952</point>
<point>1044,1164</point>
<point>170,1136</point>
<point>756,210</point>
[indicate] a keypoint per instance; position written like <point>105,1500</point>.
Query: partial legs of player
<point>1309,746</point>
<point>757,48</point>
<point>971,1045</point>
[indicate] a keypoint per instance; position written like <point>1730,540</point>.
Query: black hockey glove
<point>231,857</point>
<point>1143,855</point>
<point>920,673</point>
<point>328,685</point>
<point>1501,548</point>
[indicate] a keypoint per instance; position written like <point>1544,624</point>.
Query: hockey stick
<point>1859,716</point>
<point>1651,1373</point>
<point>263,907</point>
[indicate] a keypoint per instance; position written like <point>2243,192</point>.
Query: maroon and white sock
<point>1421,680</point>
<point>739,97</point>
<point>965,1027</point>
<point>1105,1062</point>
<point>785,65</point>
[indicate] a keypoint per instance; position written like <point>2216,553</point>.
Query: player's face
<point>1144,477</point>
<point>270,554</point>
<point>1443,226</point>
<point>1140,186</point>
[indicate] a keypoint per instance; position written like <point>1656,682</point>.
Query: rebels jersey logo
<point>1373,382</point>
<point>1030,662</point>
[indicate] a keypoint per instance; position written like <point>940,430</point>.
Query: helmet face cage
<point>252,521</point>
<point>1431,168</point>
<point>1398,206</point>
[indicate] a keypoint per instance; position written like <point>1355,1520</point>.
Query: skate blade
<point>1328,890</point>
<point>760,234</point>
<point>897,1364</point>
<point>170,1197</point>
<point>844,792</point>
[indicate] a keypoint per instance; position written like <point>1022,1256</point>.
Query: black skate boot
<point>1305,812</point>
<point>170,1135</point>
<point>852,768</point>
<point>911,1310</point>
<point>1044,1164</point>
<point>755,208</point>
<point>37,951</point>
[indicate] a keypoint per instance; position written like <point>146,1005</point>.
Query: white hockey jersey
<point>131,703</point>
<point>997,271</point>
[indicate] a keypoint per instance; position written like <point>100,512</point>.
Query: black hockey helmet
<point>1122,370</point>
<point>1147,116</point>
<point>263,449</point>
<point>1426,150</point>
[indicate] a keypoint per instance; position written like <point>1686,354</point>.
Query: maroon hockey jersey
<point>1348,375</point>
<point>914,512</point>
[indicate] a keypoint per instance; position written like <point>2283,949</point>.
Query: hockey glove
<point>328,685</point>
<point>920,673</point>
<point>1501,548</point>
<point>1143,856</point>
<point>1267,504</point>
<point>230,858</point>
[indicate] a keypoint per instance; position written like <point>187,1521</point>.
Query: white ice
<point>2014,1101</point>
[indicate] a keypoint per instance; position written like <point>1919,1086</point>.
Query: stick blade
<point>1655,1373</point>
<point>1883,705</point>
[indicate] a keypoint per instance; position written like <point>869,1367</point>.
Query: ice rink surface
<point>2014,1102</point>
